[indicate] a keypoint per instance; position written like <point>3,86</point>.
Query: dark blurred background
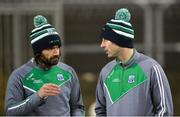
<point>156,24</point>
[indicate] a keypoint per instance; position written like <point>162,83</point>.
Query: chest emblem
<point>60,77</point>
<point>131,79</point>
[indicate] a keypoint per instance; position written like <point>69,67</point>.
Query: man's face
<point>50,56</point>
<point>111,49</point>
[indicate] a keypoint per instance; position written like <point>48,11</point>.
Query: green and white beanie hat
<point>43,36</point>
<point>119,30</point>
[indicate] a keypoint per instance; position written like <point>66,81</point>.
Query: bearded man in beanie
<point>44,86</point>
<point>133,84</point>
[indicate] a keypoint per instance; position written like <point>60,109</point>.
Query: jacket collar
<point>131,61</point>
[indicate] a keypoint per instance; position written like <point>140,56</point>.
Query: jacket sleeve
<point>161,94</point>
<point>100,108</point>
<point>15,101</point>
<point>76,102</point>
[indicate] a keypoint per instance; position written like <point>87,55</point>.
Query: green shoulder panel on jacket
<point>120,81</point>
<point>36,78</point>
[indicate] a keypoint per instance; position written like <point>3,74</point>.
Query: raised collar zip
<point>130,61</point>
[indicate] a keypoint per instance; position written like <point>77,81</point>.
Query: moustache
<point>54,57</point>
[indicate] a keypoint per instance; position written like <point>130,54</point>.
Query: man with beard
<point>44,86</point>
<point>132,84</point>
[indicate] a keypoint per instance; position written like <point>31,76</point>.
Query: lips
<point>106,51</point>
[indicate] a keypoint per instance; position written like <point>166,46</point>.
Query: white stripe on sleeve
<point>19,105</point>
<point>161,88</point>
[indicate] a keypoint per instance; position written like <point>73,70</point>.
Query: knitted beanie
<point>43,35</point>
<point>119,30</point>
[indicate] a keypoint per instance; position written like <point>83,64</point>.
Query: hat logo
<point>60,77</point>
<point>131,79</point>
<point>50,31</point>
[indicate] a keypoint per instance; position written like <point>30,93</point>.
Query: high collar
<point>130,61</point>
<point>37,66</point>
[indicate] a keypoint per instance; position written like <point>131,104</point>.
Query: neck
<point>44,66</point>
<point>41,64</point>
<point>125,54</point>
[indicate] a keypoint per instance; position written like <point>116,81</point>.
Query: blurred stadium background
<point>156,24</point>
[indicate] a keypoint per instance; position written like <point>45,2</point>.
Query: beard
<point>46,62</point>
<point>50,61</point>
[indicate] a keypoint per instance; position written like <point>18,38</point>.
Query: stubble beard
<point>50,61</point>
<point>45,62</point>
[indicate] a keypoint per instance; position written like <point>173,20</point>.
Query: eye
<point>51,48</point>
<point>48,49</point>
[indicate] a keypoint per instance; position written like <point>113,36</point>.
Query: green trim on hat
<point>121,28</point>
<point>124,33</point>
<point>42,36</point>
<point>121,25</point>
<point>121,21</point>
<point>41,32</point>
<point>46,25</point>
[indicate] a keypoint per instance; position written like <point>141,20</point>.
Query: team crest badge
<point>131,79</point>
<point>60,77</point>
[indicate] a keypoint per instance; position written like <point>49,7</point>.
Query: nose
<point>56,50</point>
<point>102,44</point>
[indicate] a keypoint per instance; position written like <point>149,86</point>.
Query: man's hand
<point>48,90</point>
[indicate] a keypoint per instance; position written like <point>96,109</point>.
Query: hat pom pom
<point>123,14</point>
<point>39,20</point>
